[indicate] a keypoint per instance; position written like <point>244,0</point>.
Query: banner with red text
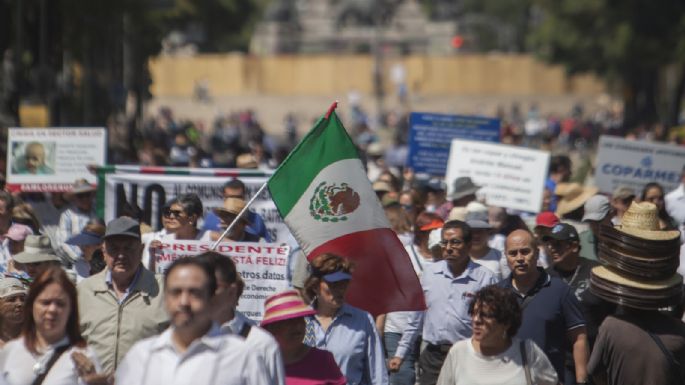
<point>263,267</point>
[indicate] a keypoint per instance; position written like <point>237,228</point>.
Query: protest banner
<point>149,188</point>
<point>633,164</point>
<point>263,267</point>
<point>52,159</point>
<point>511,177</point>
<point>430,136</point>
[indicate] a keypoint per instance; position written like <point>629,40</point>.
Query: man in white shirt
<point>675,203</point>
<point>232,322</point>
<point>192,350</point>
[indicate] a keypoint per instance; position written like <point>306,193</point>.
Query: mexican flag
<point>322,192</point>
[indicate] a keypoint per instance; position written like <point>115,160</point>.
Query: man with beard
<point>552,317</point>
<point>192,350</point>
<point>448,287</point>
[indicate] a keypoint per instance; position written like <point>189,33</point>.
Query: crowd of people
<point>588,290</point>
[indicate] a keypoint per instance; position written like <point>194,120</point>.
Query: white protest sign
<point>511,177</point>
<point>150,191</point>
<point>52,159</point>
<point>261,265</point>
<point>622,162</point>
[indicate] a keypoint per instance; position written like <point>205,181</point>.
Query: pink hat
<point>284,306</point>
<point>18,232</point>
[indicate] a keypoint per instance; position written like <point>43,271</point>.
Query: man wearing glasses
<point>448,287</point>
<point>552,317</point>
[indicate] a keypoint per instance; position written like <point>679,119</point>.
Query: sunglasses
<point>168,213</point>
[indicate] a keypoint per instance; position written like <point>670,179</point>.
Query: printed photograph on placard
<point>33,157</point>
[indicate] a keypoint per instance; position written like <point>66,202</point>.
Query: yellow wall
<point>238,74</point>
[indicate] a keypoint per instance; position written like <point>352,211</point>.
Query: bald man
<point>551,313</point>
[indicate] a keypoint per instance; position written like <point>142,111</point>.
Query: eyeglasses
<point>168,213</point>
<point>524,251</point>
<point>451,242</point>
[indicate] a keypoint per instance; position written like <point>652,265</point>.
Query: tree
<point>627,42</point>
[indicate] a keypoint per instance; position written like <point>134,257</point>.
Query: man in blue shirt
<point>551,313</point>
<point>448,287</point>
<point>235,188</point>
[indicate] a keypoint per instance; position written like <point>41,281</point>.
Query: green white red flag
<point>325,197</point>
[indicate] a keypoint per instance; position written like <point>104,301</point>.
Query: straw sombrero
<point>573,196</point>
<point>284,306</point>
<point>642,220</point>
<point>633,292</point>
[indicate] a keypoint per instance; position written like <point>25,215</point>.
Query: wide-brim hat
<point>232,206</point>
<point>81,186</point>
<point>37,248</point>
<point>642,220</point>
<point>633,292</point>
<point>284,306</point>
<point>573,196</point>
<point>463,186</point>
<point>11,286</point>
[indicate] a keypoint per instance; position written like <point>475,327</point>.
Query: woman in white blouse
<point>492,355</point>
<point>50,350</point>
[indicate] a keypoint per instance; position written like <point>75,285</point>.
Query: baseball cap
<point>546,219</point>
<point>18,232</point>
<point>478,220</point>
<point>125,226</point>
<point>596,208</point>
<point>10,286</point>
<point>562,232</point>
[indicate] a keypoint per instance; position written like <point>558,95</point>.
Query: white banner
<point>151,191</point>
<point>261,265</point>
<point>633,164</point>
<point>52,159</point>
<point>511,177</point>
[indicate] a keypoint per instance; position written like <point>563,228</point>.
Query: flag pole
<point>331,109</point>
<point>230,227</point>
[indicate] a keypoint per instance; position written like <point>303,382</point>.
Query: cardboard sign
<point>430,136</point>
<point>151,189</point>
<point>52,159</point>
<point>511,177</point>
<point>633,164</point>
<point>263,267</point>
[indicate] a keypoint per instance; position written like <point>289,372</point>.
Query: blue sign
<point>430,136</point>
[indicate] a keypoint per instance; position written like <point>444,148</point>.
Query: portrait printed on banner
<point>32,157</point>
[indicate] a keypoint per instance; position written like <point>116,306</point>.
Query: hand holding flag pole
<point>242,212</point>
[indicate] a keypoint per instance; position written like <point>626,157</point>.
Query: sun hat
<point>642,220</point>
<point>336,276</point>
<point>232,206</point>
<point>434,238</point>
<point>381,186</point>
<point>561,232</point>
<point>596,208</point>
<point>463,186</point>
<point>546,219</point>
<point>246,160</point>
<point>11,286</point>
<point>573,196</point>
<point>84,238</point>
<point>633,292</point>
<point>18,232</point>
<point>478,220</point>
<point>125,226</point>
<point>623,192</point>
<point>37,248</point>
<point>81,186</point>
<point>476,207</point>
<point>284,306</point>
<point>457,214</point>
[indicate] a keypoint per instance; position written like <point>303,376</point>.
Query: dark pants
<point>406,375</point>
<point>430,363</point>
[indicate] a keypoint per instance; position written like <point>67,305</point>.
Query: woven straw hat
<point>642,221</point>
<point>609,275</point>
<point>285,306</point>
<point>232,206</point>
<point>573,196</point>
